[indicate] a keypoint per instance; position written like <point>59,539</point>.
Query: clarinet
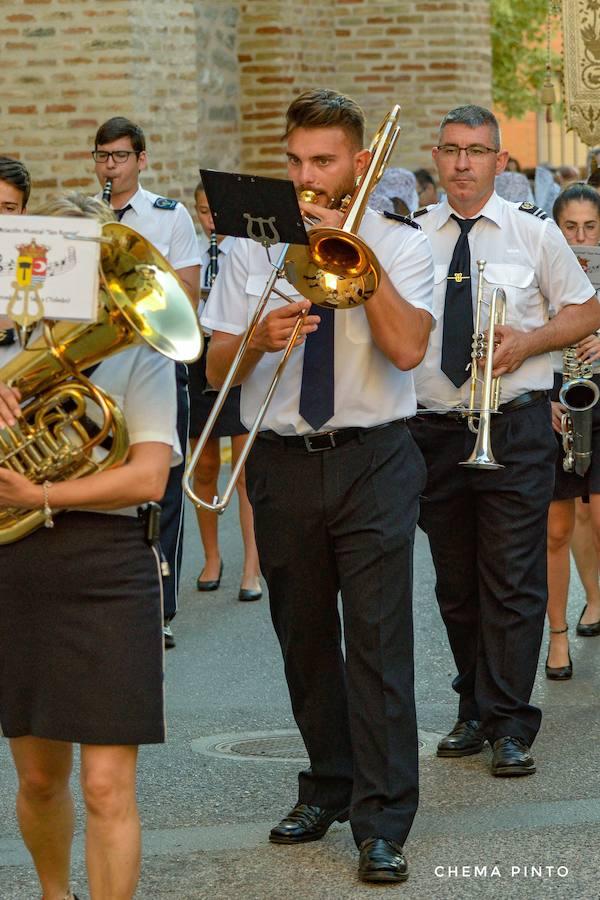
<point>107,191</point>
<point>213,259</point>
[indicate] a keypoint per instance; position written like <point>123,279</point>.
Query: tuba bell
<point>141,300</point>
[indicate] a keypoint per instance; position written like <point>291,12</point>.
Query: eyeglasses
<point>588,227</point>
<point>473,151</point>
<point>118,156</point>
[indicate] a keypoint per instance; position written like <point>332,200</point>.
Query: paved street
<point>207,800</point>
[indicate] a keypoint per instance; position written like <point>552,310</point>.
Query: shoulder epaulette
<point>533,209</point>
<point>165,203</point>
<point>404,219</point>
<point>420,212</point>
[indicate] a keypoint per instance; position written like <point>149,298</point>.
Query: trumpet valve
<point>479,345</point>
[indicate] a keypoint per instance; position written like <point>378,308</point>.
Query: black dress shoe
<point>247,594</point>
<point>512,757</point>
<point>306,823</point>
<point>382,860</point>
<point>465,739</point>
<point>210,585</point>
<point>589,630</point>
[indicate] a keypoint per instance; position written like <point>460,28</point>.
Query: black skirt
<point>568,485</point>
<point>202,399</point>
<point>81,645</point>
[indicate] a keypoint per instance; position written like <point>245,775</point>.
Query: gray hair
<point>473,116</point>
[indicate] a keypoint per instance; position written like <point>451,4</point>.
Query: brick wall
<point>68,65</point>
<point>209,81</point>
<point>427,56</point>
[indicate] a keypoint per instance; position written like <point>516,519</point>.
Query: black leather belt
<point>325,440</point>
<point>526,399</point>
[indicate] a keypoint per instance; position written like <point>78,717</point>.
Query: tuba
<point>140,300</point>
<point>579,395</point>
<point>337,270</point>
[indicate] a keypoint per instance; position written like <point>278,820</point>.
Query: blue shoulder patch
<point>533,210</point>
<point>165,203</point>
<point>404,219</point>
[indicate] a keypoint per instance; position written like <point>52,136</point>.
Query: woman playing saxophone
<point>576,497</point>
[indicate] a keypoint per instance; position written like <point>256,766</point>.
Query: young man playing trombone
<point>334,480</point>
<point>486,523</point>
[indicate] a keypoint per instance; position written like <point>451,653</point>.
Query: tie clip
<point>458,277</point>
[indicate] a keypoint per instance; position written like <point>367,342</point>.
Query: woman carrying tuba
<point>81,630</point>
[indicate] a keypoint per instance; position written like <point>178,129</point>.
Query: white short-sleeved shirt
<point>224,247</point>
<point>171,230</point>
<point>369,389</point>
<point>529,258</point>
<point>142,384</point>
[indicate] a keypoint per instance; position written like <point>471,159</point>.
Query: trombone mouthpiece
<point>307,196</point>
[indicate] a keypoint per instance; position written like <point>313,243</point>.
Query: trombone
<point>337,270</point>
<point>480,420</point>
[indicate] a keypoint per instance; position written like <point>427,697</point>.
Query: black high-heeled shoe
<point>589,629</point>
<point>559,673</point>
<point>212,585</point>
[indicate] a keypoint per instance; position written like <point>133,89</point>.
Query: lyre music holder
<point>249,206</point>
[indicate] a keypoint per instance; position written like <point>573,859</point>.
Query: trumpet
<point>479,419</point>
<point>337,270</point>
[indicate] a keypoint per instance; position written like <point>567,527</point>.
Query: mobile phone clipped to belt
<point>149,515</point>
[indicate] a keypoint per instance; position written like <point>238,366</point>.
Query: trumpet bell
<point>481,458</point>
<point>148,293</point>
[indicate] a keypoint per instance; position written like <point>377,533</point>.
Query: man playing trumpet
<point>334,480</point>
<point>487,526</point>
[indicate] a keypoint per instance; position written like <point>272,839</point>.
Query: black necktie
<point>317,401</point>
<point>458,309</point>
<point>119,213</point>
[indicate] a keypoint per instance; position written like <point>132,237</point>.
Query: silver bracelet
<point>48,520</point>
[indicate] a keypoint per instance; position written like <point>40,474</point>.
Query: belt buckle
<point>329,445</point>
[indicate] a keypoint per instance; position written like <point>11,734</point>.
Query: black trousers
<point>487,533</point>
<point>344,520</point>
<point>171,520</point>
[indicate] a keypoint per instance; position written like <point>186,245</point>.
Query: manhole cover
<point>284,745</point>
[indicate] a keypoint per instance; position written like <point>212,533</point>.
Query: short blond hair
<point>77,205</point>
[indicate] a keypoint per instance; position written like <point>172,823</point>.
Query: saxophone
<point>579,395</point>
